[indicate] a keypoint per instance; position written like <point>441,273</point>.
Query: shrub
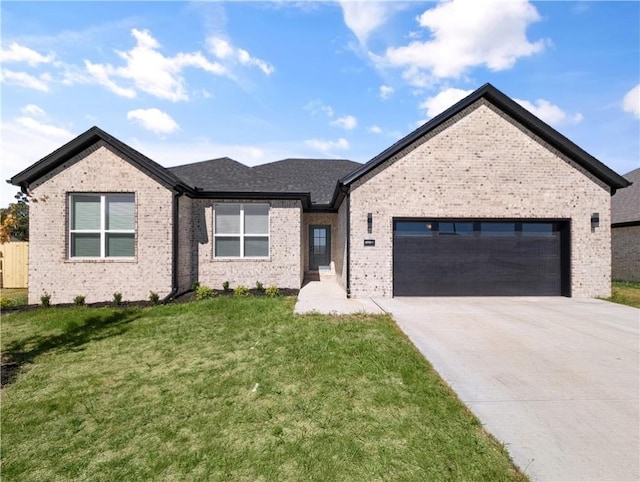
<point>5,303</point>
<point>241,292</point>
<point>259,287</point>
<point>195,285</point>
<point>272,292</point>
<point>154,297</point>
<point>79,300</point>
<point>45,299</point>
<point>225,286</point>
<point>205,293</point>
<point>117,298</point>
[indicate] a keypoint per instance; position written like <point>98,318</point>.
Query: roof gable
<point>82,142</point>
<point>516,112</point>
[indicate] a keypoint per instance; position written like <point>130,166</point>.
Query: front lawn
<point>625,293</point>
<point>230,389</point>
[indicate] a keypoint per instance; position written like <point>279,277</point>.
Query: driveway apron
<point>555,379</point>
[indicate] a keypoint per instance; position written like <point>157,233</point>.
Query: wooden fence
<point>14,264</point>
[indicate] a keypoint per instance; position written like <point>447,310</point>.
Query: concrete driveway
<point>555,379</point>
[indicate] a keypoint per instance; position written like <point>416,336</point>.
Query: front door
<point>319,247</point>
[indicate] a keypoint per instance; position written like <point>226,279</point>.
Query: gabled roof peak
<point>82,142</point>
<point>516,112</point>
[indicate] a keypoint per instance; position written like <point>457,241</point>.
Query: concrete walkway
<point>326,296</point>
<point>555,379</point>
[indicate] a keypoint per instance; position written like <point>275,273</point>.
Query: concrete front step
<point>320,275</point>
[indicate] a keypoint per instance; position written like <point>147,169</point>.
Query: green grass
<point>230,389</point>
<point>16,296</point>
<point>625,293</point>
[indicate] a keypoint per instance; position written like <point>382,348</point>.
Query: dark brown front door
<point>319,247</point>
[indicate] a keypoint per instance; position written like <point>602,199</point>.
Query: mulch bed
<point>182,298</point>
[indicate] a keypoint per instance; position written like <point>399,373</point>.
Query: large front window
<point>241,230</point>
<point>102,226</point>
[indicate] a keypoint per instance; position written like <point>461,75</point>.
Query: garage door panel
<point>517,264</point>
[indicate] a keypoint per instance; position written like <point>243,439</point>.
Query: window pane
<point>85,212</point>
<point>227,219</point>
<point>256,246</point>
<point>414,228</point>
<point>85,245</point>
<point>497,229</point>
<point>120,211</point>
<point>227,247</point>
<point>256,219</point>
<point>120,245</point>
<point>455,229</point>
<point>537,229</point>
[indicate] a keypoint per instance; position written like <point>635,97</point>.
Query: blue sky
<point>261,81</point>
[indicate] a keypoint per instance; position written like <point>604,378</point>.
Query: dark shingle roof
<point>318,177</point>
<point>625,205</point>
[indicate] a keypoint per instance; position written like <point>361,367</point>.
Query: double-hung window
<point>241,230</point>
<point>102,225</point>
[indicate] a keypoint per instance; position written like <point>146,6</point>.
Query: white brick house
<point>484,199</point>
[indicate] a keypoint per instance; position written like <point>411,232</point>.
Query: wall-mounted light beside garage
<point>369,223</point>
<point>595,220</point>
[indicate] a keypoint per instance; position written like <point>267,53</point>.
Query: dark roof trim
<point>303,197</point>
<point>518,113</point>
<point>82,142</point>
<point>626,224</point>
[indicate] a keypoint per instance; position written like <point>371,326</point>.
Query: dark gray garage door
<point>480,258</point>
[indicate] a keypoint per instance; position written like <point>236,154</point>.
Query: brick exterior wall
<point>98,169</point>
<point>330,219</point>
<point>625,249</point>
<point>283,268</point>
<point>480,164</point>
<point>187,259</point>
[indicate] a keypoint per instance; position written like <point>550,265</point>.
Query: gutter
<point>345,191</point>
<point>174,248</point>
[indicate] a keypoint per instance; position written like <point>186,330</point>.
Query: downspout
<point>174,248</point>
<point>345,191</point>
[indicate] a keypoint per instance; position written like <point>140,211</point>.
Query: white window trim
<point>102,231</point>
<point>242,234</point>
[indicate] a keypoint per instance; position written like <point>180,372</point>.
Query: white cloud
<point>101,74</point>
<point>24,141</point>
<point>374,129</point>
<point>316,107</point>
<point>550,113</point>
<point>154,120</point>
<point>150,71</point>
<point>631,101</point>
<point>327,146</point>
<point>19,53</point>
<point>220,48</point>
<point>363,17</point>
<point>442,101</point>
<point>23,79</point>
<point>34,110</point>
<point>223,50</point>
<point>466,34</point>
<point>385,92</point>
<point>43,129</point>
<point>347,122</point>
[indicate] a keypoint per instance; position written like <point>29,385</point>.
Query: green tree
<point>14,220</point>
